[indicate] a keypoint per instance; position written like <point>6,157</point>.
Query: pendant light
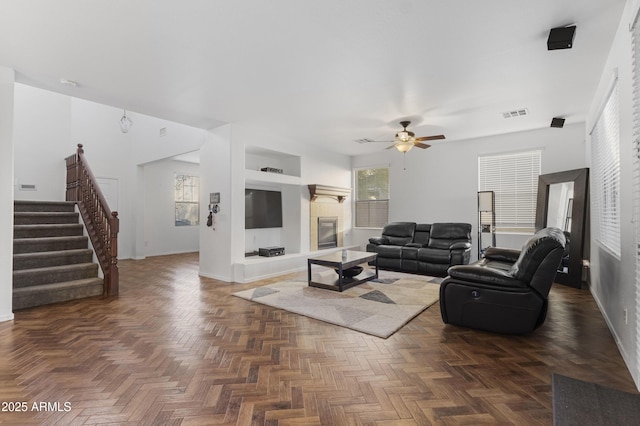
<point>125,122</point>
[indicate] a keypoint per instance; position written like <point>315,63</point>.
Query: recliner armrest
<point>502,254</point>
<point>415,245</point>
<point>460,245</point>
<point>476,274</point>
<point>379,240</point>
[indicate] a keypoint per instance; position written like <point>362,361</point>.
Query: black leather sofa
<point>428,249</point>
<point>507,290</point>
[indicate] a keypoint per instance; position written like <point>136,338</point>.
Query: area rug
<point>379,307</point>
<point>576,402</point>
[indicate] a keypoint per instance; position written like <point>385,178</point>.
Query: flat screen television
<point>262,209</point>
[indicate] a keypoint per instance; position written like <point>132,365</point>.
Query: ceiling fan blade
<point>365,140</point>
<point>421,145</point>
<point>430,138</point>
<point>390,147</point>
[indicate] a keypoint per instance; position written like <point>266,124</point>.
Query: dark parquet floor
<point>175,348</point>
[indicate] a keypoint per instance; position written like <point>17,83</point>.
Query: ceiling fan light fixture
<point>125,123</point>
<point>404,147</point>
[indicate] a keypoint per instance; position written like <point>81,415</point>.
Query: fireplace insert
<point>327,232</point>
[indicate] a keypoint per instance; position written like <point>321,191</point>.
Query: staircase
<point>51,259</point>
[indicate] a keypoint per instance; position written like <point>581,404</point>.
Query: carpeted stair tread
<point>29,245</point>
<point>53,274</point>
<point>32,218</point>
<point>39,206</point>
<point>58,292</point>
<point>45,259</point>
<point>47,230</point>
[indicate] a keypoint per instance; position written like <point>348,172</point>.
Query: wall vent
<point>515,113</point>
<point>163,131</point>
<point>27,187</point>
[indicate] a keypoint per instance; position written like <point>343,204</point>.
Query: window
<point>514,179</point>
<point>187,199</point>
<point>372,197</point>
<point>605,149</point>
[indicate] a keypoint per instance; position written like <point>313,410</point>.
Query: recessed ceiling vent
<point>515,113</point>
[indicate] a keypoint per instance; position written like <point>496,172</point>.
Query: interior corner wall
<point>440,184</point>
<point>613,278</point>
<point>215,176</point>
<point>161,235</point>
<point>156,139</point>
<point>7,78</point>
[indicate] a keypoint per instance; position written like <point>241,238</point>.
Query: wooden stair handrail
<point>102,224</point>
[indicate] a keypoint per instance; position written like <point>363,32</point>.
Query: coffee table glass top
<point>350,256</point>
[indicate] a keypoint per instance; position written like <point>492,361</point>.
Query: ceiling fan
<point>405,140</point>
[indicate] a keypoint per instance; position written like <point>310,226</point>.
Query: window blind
<point>514,179</point>
<point>635,77</point>
<point>372,197</point>
<point>605,148</point>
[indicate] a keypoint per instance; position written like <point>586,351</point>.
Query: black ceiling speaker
<point>561,38</point>
<point>557,122</point>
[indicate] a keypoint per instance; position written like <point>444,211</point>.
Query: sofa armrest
<point>379,240</point>
<point>495,277</point>
<point>460,245</point>
<point>502,254</point>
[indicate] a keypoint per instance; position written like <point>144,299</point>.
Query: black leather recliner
<point>422,248</point>
<point>507,290</point>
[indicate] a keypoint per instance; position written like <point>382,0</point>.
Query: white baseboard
<point>215,277</point>
<point>616,338</point>
<point>271,275</point>
<point>8,317</point>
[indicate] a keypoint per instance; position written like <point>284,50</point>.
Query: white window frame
<point>193,202</point>
<point>385,218</point>
<point>516,190</point>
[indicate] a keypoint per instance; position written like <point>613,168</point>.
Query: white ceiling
<point>318,72</point>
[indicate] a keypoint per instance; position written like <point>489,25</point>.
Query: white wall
<point>42,132</point>
<point>7,77</point>
<point>613,283</point>
<point>161,236</point>
<point>440,184</point>
<point>216,243</point>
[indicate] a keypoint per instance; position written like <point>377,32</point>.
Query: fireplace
<point>327,232</point>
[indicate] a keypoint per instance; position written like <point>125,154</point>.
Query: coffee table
<point>340,261</point>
